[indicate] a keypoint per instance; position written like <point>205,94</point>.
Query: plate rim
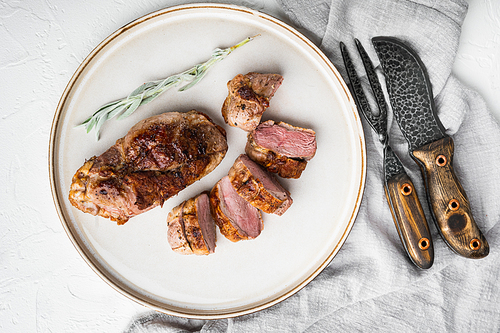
<point>96,267</point>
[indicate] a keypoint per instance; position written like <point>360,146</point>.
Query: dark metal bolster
<point>392,164</point>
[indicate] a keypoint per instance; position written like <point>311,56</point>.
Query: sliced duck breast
<point>191,229</point>
<point>206,222</point>
<point>285,139</point>
<point>281,148</point>
<point>236,218</point>
<point>258,187</point>
<point>176,235</point>
<point>248,98</point>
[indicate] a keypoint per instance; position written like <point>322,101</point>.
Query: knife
<point>410,94</point>
<point>406,209</point>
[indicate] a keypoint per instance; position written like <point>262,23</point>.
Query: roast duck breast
<point>191,228</point>
<point>248,98</point>
<point>158,157</point>
<point>281,148</point>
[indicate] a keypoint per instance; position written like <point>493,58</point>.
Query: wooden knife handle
<point>410,220</point>
<point>448,201</point>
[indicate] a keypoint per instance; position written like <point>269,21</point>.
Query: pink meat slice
<point>286,140</point>
<point>206,222</point>
<point>243,216</point>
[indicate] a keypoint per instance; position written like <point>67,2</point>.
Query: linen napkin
<point>371,285</point>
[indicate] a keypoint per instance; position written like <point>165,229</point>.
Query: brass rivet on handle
<point>406,189</point>
<point>475,244</point>
<point>441,160</point>
<point>453,204</point>
<point>424,243</point>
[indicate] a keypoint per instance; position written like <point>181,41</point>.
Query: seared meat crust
<point>176,233</point>
<point>248,98</point>
<point>284,166</point>
<point>192,228</point>
<point>259,188</point>
<point>185,232</point>
<point>158,157</point>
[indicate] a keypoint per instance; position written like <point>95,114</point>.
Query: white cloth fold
<point>371,284</point>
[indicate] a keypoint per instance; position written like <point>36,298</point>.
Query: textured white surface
<point>44,284</point>
<point>478,60</point>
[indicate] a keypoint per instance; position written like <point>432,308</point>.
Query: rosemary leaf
<point>91,123</point>
<point>195,81</point>
<point>133,106</point>
<point>119,108</point>
<point>148,91</point>
<point>99,123</point>
<point>149,99</point>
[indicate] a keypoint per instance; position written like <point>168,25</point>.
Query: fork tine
<point>374,82</point>
<point>377,121</point>
<point>356,87</point>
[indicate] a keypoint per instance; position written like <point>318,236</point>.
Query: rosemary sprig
<point>148,91</point>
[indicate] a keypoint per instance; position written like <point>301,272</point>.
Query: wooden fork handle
<point>448,200</point>
<point>410,220</point>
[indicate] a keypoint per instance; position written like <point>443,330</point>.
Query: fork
<point>402,198</point>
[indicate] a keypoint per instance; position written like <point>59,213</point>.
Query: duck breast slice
<point>285,139</point>
<point>258,187</point>
<point>176,234</point>
<point>191,229</point>
<point>206,222</point>
<point>281,148</point>
<point>248,98</point>
<point>237,218</point>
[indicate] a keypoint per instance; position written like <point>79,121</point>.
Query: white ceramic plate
<point>240,277</point>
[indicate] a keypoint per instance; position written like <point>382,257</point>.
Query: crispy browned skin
<point>184,233</point>
<point>282,165</point>
<point>176,233</point>
<point>192,228</point>
<point>158,157</point>
<point>248,98</point>
<point>257,187</point>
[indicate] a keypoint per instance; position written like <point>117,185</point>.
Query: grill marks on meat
<point>191,229</point>
<point>257,187</point>
<point>167,145</point>
<point>281,148</point>
<point>236,218</point>
<point>248,98</point>
<point>158,157</point>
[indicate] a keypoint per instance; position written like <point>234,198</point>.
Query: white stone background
<point>45,286</point>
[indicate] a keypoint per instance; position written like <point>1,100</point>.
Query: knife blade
<point>410,94</point>
<point>403,201</point>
